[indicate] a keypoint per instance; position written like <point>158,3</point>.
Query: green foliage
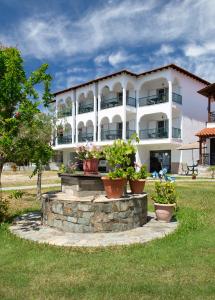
<point>16,194</point>
<point>164,193</point>
<point>212,170</point>
<point>136,175</point>
<point>68,169</point>
<point>117,173</point>
<point>4,205</point>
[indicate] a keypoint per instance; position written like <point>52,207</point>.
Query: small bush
<point>4,205</point>
<point>164,193</point>
<point>16,194</point>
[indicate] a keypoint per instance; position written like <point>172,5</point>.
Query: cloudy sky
<point>83,39</point>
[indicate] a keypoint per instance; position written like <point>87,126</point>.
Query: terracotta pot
<point>90,166</point>
<point>164,212</point>
<point>137,186</point>
<point>114,188</point>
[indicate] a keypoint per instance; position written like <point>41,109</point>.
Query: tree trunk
<point>1,169</point>
<point>39,180</point>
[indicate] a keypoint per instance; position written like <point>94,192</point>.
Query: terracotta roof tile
<point>206,132</point>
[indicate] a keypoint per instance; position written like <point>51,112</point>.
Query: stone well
<point>82,207</point>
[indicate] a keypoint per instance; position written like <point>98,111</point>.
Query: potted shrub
<point>119,158</point>
<point>194,175</point>
<point>90,155</point>
<point>137,178</point>
<point>164,200</point>
<point>114,183</point>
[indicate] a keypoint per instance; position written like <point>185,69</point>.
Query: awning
<point>189,146</point>
<point>206,132</point>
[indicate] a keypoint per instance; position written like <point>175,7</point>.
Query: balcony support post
<point>137,115</point>
<point>95,117</point>
<point>99,109</point>
<point>73,118</point>
<point>209,109</point>
<point>76,125</point>
<point>124,113</point>
<point>170,107</point>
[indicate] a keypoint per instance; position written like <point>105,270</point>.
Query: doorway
<point>159,160</point>
<point>212,151</point>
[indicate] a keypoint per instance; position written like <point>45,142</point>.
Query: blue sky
<point>83,39</point>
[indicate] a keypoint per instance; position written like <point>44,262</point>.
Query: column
<point>99,125</point>
<point>124,113</point>
<point>76,125</point>
<point>137,113</point>
<point>170,107</point>
<point>73,119</point>
<point>209,108</point>
<point>95,116</point>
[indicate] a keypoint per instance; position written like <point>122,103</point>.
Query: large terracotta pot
<point>114,188</point>
<point>164,212</point>
<point>90,166</point>
<point>137,186</point>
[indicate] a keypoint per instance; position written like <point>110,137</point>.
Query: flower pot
<point>164,212</point>
<point>90,166</point>
<point>137,186</point>
<point>114,188</point>
<point>193,176</point>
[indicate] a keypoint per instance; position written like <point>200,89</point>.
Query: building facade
<point>162,106</point>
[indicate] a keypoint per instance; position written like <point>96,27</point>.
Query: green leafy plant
<point>71,168</point>
<point>136,175</point>
<point>212,170</point>
<point>4,206</point>
<point>16,194</point>
<point>165,193</point>
<point>117,173</point>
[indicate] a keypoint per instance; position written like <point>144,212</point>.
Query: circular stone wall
<point>94,214</point>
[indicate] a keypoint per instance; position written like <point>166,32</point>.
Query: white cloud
<point>118,58</point>
<point>198,50</point>
<point>165,50</point>
<point>100,59</point>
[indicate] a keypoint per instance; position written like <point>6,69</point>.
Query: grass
<point>179,266</point>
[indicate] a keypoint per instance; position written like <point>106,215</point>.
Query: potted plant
<point>194,175</point>
<point>164,200</point>
<point>114,183</point>
<point>137,178</point>
<point>90,155</point>
<point>119,158</point>
<point>212,170</point>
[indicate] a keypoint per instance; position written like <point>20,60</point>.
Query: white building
<point>162,106</point>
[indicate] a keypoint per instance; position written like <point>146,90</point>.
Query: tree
<point>19,106</point>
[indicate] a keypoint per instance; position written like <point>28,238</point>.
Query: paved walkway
<point>29,187</point>
<point>29,227</point>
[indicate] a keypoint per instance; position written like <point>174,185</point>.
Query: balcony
<point>130,101</point>
<point>129,133</point>
<point>156,99</point>
<point>176,133</point>
<point>64,113</point>
<point>85,137</point>
<point>155,133</point>
<point>64,139</point>
<point>85,108</point>
<point>107,135</point>
<point>110,102</point>
<point>211,116</point>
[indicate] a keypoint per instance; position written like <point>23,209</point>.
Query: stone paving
<point>29,227</point>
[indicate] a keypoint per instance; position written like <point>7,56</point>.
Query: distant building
<point>162,106</point>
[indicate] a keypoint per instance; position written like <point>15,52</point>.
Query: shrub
<point>3,210</point>
<point>16,194</point>
<point>117,173</point>
<point>164,193</point>
<point>136,175</point>
<point>212,170</point>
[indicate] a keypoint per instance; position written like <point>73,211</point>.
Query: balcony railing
<point>129,133</point>
<point>84,137</point>
<point>110,102</point>
<point>176,98</point>
<point>107,135</point>
<point>212,117</point>
<point>85,108</point>
<point>131,101</point>
<point>64,113</point>
<point>155,133</point>
<point>156,99</point>
<point>64,139</point>
<point>176,133</point>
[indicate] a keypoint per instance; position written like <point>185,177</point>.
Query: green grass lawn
<point>180,266</point>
